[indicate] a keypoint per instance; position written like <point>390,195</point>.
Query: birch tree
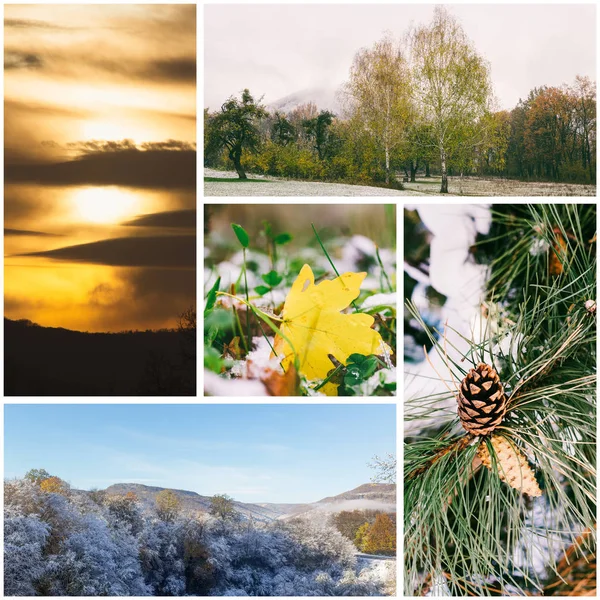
<point>379,95</point>
<point>451,85</point>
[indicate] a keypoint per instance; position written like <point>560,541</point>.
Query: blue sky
<point>255,453</point>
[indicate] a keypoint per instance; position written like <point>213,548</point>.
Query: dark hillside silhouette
<point>49,361</point>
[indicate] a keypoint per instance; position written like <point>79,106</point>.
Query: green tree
<point>235,128</point>
<point>418,147</point>
<point>361,536</point>
<point>37,475</point>
<point>168,505</point>
<point>125,508</point>
<point>317,130</point>
<point>451,85</point>
<point>282,131</point>
<point>221,506</point>
<point>379,95</point>
<point>495,150</point>
<point>584,93</point>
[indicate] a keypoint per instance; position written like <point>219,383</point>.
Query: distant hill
<point>195,502</point>
<point>324,98</point>
<point>377,492</point>
<point>52,361</point>
<point>383,494</point>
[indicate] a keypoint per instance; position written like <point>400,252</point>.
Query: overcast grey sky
<point>281,49</point>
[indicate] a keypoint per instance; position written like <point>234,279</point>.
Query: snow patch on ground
<point>272,186</point>
<point>480,186</point>
<point>467,186</point>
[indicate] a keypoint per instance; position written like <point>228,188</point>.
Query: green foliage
<point>37,475</point>
<point>221,506</point>
<point>282,239</point>
<point>359,368</point>
<point>272,279</point>
<point>241,234</point>
<point>361,535</point>
<point>211,297</point>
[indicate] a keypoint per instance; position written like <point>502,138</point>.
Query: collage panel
<point>300,300</point>
<point>199,500</point>
<point>100,200</point>
<point>400,100</point>
<point>500,419</point>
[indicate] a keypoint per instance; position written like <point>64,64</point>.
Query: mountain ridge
<point>323,98</point>
<point>370,493</point>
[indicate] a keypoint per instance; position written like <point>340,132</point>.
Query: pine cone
<point>481,401</point>
<point>511,465</point>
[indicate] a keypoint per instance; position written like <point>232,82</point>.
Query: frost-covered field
<point>272,186</point>
<point>477,186</point>
<point>467,186</point>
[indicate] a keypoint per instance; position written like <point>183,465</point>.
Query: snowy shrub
<point>24,540</point>
<point>79,545</point>
<point>161,555</point>
<point>320,546</point>
<point>95,561</point>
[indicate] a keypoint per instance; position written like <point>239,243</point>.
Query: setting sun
<point>104,205</point>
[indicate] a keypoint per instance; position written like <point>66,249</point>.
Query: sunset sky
<point>100,132</point>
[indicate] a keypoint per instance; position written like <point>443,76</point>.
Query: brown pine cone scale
<point>481,400</point>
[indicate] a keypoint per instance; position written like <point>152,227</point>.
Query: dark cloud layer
<point>31,24</point>
<point>153,251</point>
<point>179,69</point>
<point>21,60</point>
<point>176,69</point>
<point>99,146</point>
<point>163,169</point>
<point>185,219</point>
<point>24,232</point>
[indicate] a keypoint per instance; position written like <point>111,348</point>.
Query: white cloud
<point>277,50</point>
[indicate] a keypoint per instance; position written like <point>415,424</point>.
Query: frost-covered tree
<point>125,510</point>
<point>95,561</point>
<point>24,540</point>
<point>85,544</point>
<point>161,555</point>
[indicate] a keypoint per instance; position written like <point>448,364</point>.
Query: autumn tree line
<point>423,105</point>
<point>64,542</point>
<point>371,531</point>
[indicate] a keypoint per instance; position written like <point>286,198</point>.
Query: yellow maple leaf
<point>313,326</point>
